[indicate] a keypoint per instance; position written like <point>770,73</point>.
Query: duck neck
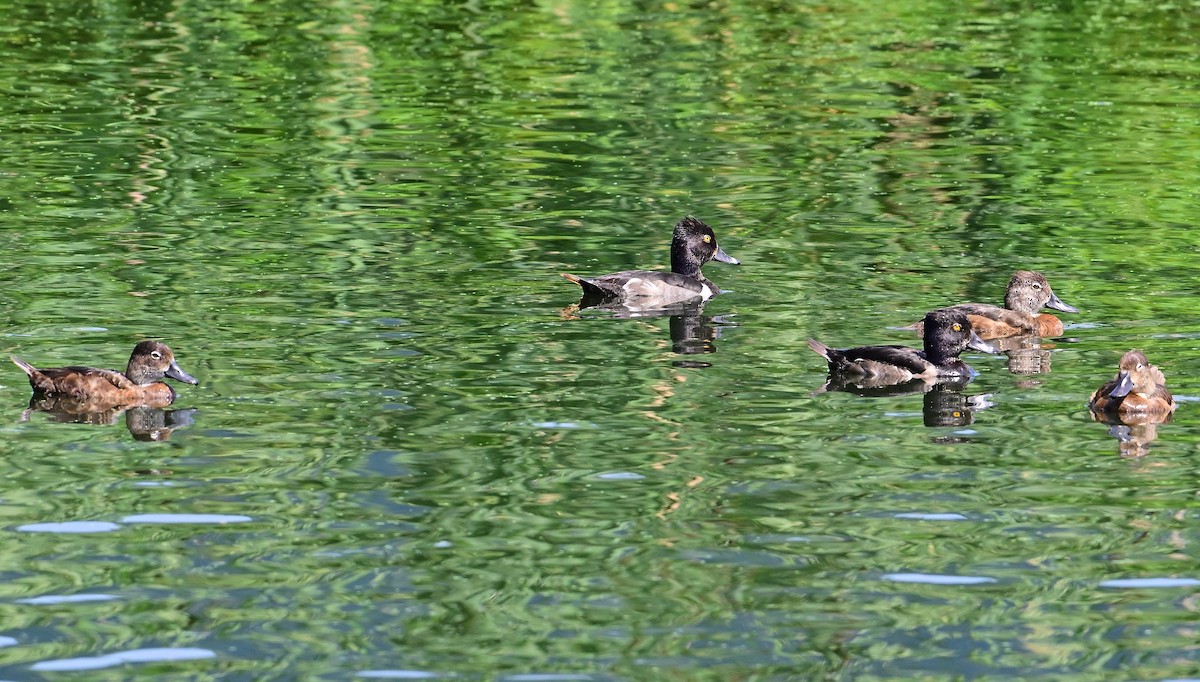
<point>1014,301</point>
<point>939,357</point>
<point>937,353</point>
<point>138,375</point>
<point>682,261</point>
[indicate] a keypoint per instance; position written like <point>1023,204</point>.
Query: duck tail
<point>819,348</point>
<point>589,289</point>
<point>29,369</point>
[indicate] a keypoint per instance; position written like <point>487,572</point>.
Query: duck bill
<point>1057,304</point>
<point>725,258</point>
<point>177,373</point>
<point>1124,385</point>
<point>980,345</point>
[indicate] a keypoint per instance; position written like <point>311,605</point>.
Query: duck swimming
<point>1028,292</point>
<point>140,384</point>
<point>947,333</point>
<point>692,245</point>
<point>1138,394</point>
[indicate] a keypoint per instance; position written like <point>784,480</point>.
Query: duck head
<point>948,333</point>
<point>1029,292</point>
<point>693,245</point>
<point>1135,374</point>
<point>153,360</point>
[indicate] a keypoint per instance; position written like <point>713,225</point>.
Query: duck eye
<point>957,327</point>
<point>708,239</point>
<point>1037,285</point>
<point>156,355</point>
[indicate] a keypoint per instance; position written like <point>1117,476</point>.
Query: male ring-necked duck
<point>1028,292</point>
<point>139,385</point>
<point>947,334</point>
<point>692,245</point>
<point>1137,393</point>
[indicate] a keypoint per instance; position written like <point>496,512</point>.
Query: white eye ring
<point>156,355</point>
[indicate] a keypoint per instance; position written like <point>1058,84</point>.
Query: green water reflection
<point>348,218</point>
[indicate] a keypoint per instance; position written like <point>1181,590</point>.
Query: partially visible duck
<point>1028,292</point>
<point>692,245</point>
<point>1138,394</point>
<point>105,388</point>
<point>947,333</point>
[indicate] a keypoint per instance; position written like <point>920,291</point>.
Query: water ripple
<point>70,527</point>
<point>187,518</point>
<point>937,579</point>
<point>160,655</point>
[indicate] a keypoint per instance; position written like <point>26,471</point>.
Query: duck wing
<point>1100,398</point>
<point>898,361</point>
<point>1011,318</point>
<point>661,288</point>
<point>85,375</point>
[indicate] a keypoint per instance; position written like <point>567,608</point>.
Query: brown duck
<point>1137,395</point>
<point>1028,292</point>
<point>140,384</point>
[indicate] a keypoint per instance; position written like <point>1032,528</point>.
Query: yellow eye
<point>957,327</point>
<point>707,238</point>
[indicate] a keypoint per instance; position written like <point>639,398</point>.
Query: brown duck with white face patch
<point>1137,395</point>
<point>140,384</point>
<point>1028,292</point>
<point>692,245</point>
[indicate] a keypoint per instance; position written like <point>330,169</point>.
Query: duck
<point>1137,394</point>
<point>102,389</point>
<point>693,244</point>
<point>947,333</point>
<point>1028,292</point>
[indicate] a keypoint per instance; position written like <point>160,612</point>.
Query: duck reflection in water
<point>1027,355</point>
<point>692,332</point>
<point>943,402</point>
<point>144,423</point>
<point>1133,404</point>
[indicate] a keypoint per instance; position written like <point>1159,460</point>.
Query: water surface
<point>409,458</point>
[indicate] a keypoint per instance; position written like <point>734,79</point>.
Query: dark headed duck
<point>1028,292</point>
<point>692,245</point>
<point>1138,394</point>
<point>947,333</point>
<point>140,384</point>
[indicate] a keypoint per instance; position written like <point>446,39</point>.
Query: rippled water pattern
<point>409,455</point>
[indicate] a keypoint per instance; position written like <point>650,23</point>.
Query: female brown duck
<point>139,385</point>
<point>1137,393</point>
<point>1028,292</point>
